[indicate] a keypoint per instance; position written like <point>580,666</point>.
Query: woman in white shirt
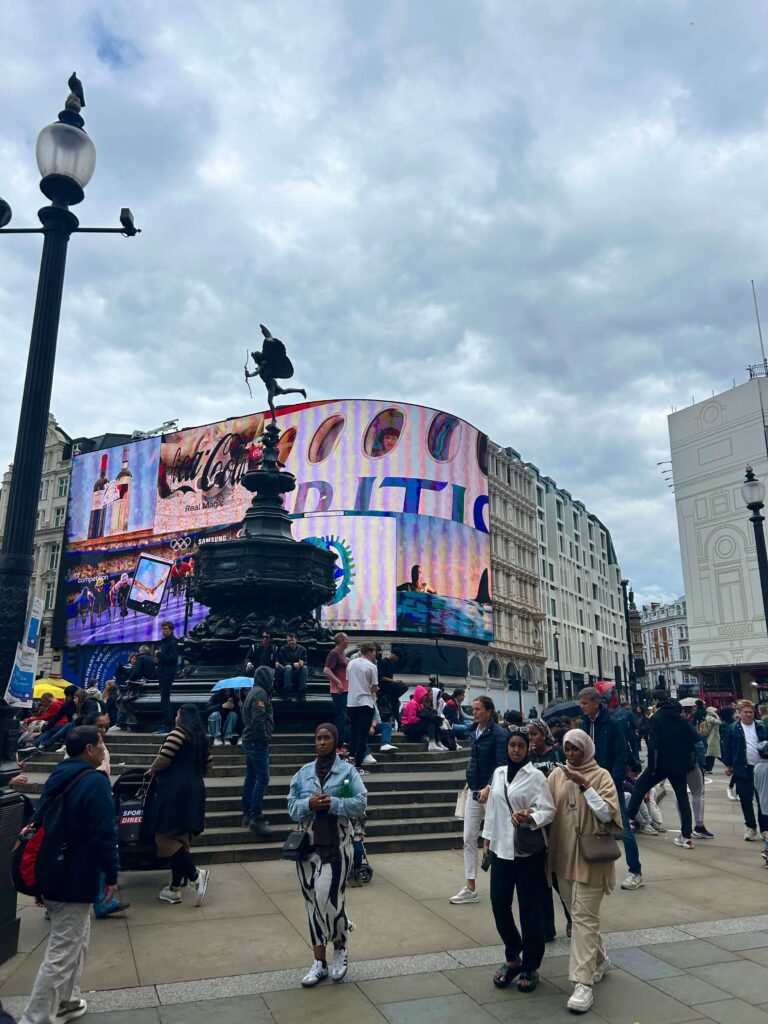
<point>519,806</point>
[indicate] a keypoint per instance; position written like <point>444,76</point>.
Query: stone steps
<point>412,794</point>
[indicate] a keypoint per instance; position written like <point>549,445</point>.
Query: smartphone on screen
<point>149,582</point>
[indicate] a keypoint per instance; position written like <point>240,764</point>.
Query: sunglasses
<point>519,730</point>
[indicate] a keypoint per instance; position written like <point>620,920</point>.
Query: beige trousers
<point>587,951</point>
<point>58,979</point>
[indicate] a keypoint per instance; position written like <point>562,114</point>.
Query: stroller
<point>361,872</point>
<point>135,843</point>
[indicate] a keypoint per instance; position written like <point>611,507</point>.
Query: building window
<point>553,607</point>
<point>63,486</point>
<point>50,589</point>
<point>53,557</point>
<point>58,516</point>
<point>43,492</point>
<point>41,640</point>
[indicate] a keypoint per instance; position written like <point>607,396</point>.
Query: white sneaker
<point>458,747</point>
<point>218,742</point>
<point>369,759</point>
<point>632,881</point>
<point>602,970</point>
<point>730,794</point>
<point>465,896</point>
<point>315,974</point>
<point>685,842</point>
<point>169,895</point>
<point>340,964</point>
<point>434,748</point>
<point>764,836</point>
<point>115,728</point>
<point>71,1009</point>
<point>647,830</point>
<point>581,1000</point>
<point>387,746</point>
<point>750,835</point>
<point>201,885</point>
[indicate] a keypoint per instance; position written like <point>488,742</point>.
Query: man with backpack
<point>77,816</point>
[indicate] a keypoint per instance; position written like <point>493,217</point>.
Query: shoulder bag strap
<point>506,797</point>
<point>59,796</point>
<point>572,805</point>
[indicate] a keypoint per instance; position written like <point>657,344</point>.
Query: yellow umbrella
<point>48,686</point>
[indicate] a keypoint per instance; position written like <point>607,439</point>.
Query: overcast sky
<point>541,216</point>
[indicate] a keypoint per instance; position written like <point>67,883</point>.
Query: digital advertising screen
<point>399,492</point>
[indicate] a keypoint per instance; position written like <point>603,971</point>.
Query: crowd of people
<point>546,801</point>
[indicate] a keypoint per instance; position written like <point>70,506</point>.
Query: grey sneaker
<point>633,881</point>
<point>465,896</point>
<point>201,885</point>
<point>70,1009</point>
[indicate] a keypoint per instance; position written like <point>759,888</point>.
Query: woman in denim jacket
<point>324,797</point>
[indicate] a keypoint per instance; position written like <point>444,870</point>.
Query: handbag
<point>600,848</point>
<point>461,803</point>
<point>528,841</point>
<point>296,846</point>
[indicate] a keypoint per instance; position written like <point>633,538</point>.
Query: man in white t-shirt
<point>740,756</point>
<point>363,686</point>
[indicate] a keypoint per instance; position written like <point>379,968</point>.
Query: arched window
<point>494,669</point>
<point>475,666</point>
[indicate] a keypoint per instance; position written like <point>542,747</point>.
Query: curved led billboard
<point>399,492</point>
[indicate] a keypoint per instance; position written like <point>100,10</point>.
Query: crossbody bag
<point>528,841</point>
<point>600,848</point>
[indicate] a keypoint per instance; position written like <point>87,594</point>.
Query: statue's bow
<point>245,373</point>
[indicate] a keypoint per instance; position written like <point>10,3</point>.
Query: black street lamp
<point>66,158</point>
<point>560,689</point>
<point>753,493</point>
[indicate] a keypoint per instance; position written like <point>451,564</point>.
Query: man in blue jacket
<point>91,839</point>
<point>740,756</point>
<point>611,747</point>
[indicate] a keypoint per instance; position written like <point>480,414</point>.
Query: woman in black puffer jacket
<point>489,752</point>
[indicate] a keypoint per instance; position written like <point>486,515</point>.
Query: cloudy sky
<point>541,216</point>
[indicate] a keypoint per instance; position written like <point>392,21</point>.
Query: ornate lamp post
<point>66,158</point>
<point>753,493</point>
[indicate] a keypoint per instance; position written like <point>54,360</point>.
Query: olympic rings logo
<point>181,543</point>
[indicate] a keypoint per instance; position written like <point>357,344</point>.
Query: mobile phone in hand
<point>486,862</point>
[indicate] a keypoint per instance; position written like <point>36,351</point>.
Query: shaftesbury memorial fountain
<point>263,578</point>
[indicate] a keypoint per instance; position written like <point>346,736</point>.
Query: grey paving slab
<point>437,1010</point>
<point>325,1004</point>
<point>535,1010</point>
<point>412,986</point>
<point>689,990</point>
<point>622,998</point>
<point>399,966</point>
<point>145,1016</point>
<point>477,982</point>
<point>734,1011</point>
<point>642,965</point>
<point>746,940</point>
<point>236,1010</point>
<point>726,926</point>
<point>694,953</point>
<point>743,979</point>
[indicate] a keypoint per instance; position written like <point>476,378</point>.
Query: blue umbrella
<point>235,683</point>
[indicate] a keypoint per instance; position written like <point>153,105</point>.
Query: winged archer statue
<point>272,363</point>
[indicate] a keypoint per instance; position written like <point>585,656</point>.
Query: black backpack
<point>39,858</point>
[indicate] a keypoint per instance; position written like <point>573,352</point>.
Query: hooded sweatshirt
<point>412,709</point>
<point>258,717</point>
<point>671,740</point>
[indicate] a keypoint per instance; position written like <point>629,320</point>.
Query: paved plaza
<point>692,945</point>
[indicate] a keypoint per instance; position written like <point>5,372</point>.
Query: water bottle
<point>346,788</point>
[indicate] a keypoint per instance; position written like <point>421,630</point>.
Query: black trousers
<point>426,726</point>
<point>679,784</point>
<point>359,723</point>
<point>166,712</point>
<point>526,874</point>
<point>745,790</point>
<point>709,762</point>
<point>393,692</point>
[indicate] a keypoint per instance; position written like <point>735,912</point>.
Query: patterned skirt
<point>324,888</point>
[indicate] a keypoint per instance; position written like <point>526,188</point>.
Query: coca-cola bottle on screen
<point>122,508</point>
<point>96,521</point>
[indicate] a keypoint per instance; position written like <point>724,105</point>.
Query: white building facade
<point>665,646</point>
<point>49,535</point>
<point>711,443</point>
<point>584,632</point>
